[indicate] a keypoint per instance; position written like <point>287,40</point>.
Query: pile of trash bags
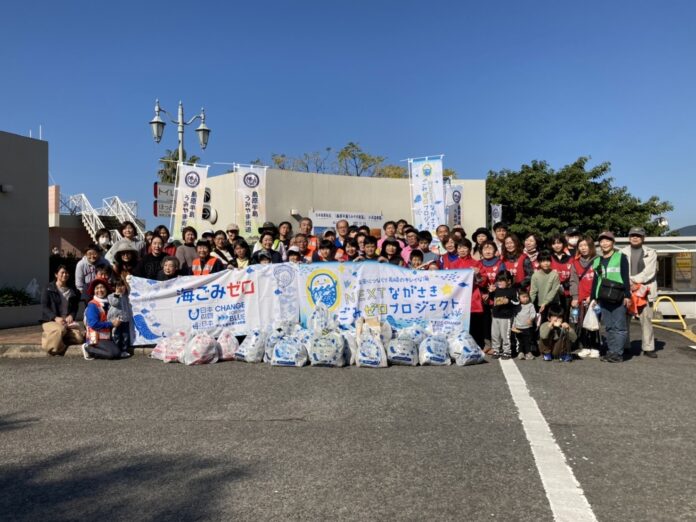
<point>368,344</point>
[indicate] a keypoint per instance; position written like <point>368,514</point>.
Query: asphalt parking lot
<point>142,440</point>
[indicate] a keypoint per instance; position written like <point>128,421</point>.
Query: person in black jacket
<point>59,303</point>
<point>266,241</point>
<point>150,264</point>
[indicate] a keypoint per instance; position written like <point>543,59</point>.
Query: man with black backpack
<point>611,289</point>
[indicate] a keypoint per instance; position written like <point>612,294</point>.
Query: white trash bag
<point>434,350</point>
<point>289,351</point>
<point>402,351</point>
<point>371,352</point>
<point>252,347</point>
<point>591,321</point>
<point>327,350</point>
<point>228,345</point>
<point>414,333</point>
<point>202,348</point>
<point>464,350</point>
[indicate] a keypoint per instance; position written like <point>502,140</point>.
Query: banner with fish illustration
<point>427,192</point>
<point>263,295</point>
<point>237,299</point>
<point>402,296</point>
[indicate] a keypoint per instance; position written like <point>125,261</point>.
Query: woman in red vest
<point>490,265</point>
<point>581,279</point>
<point>518,264</point>
<point>477,323</point>
<point>98,343</point>
<point>562,263</point>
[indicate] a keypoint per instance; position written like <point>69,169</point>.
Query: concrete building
<point>23,213</point>
<point>290,195</point>
<point>676,271</point>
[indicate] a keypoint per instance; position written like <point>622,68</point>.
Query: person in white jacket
<point>643,263</point>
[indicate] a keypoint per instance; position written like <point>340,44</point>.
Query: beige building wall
<point>302,191</point>
<point>23,211</point>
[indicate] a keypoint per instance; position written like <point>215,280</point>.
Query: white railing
<point>80,205</point>
<point>123,211</point>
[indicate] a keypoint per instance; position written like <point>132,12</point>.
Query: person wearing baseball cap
<point>611,289</point>
<point>643,275</point>
<point>572,236</point>
<point>269,228</point>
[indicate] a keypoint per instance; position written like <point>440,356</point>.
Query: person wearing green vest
<point>611,289</point>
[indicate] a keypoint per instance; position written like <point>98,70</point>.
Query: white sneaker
<point>520,356</point>
<point>585,352</point>
<point>594,354</point>
<point>125,355</point>
<point>86,354</point>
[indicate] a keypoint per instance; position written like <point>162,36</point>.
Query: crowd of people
<point>531,295</point>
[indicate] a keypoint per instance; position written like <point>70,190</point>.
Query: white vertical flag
<point>427,192</point>
<point>188,197</point>
<point>251,198</point>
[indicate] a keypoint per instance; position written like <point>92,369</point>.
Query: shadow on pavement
<point>10,421</point>
<point>90,484</point>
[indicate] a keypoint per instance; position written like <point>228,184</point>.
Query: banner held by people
<point>402,296</point>
<point>236,299</point>
<point>427,192</point>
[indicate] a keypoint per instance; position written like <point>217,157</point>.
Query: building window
<point>664,272</point>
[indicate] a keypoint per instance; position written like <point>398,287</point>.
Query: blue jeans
<point>614,321</point>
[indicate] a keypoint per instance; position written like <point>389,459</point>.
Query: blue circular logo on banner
<point>192,179</point>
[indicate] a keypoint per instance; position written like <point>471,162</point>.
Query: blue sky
<point>491,85</point>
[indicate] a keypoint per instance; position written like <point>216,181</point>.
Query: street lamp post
<point>157,125</point>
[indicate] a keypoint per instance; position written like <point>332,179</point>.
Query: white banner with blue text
<point>427,192</point>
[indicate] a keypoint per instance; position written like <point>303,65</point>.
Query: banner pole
<point>410,190</point>
<point>175,234</point>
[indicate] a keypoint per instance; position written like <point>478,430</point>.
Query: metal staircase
<point>110,216</point>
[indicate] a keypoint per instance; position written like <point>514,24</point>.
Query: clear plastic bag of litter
<point>228,344</point>
<point>171,348</point>
<point>402,351</point>
<point>464,350</point>
<point>202,348</point>
<point>413,333</point>
<point>434,350</point>
<point>252,347</point>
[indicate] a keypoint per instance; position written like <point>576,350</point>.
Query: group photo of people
<point>532,296</point>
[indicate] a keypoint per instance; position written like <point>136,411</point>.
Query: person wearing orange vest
<point>205,264</point>
<point>306,226</point>
<point>99,344</point>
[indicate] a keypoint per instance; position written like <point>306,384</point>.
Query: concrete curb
<point>29,351</point>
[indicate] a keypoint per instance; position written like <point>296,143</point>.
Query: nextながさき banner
<point>402,296</point>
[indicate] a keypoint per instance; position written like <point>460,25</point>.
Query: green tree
<point>392,171</point>
<point>167,173</point>
<point>449,173</point>
<point>538,199</point>
<point>353,161</point>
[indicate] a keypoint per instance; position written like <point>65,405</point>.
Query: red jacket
<point>487,275</point>
<point>585,280</point>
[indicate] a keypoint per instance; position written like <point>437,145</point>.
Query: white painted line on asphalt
<point>692,347</point>
<point>565,495</point>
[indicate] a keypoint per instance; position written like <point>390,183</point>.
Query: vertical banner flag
<point>188,196</point>
<point>496,214</point>
<point>427,192</point>
<point>251,198</point>
<point>453,201</point>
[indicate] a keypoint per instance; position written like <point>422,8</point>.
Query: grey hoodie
<point>525,316</point>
